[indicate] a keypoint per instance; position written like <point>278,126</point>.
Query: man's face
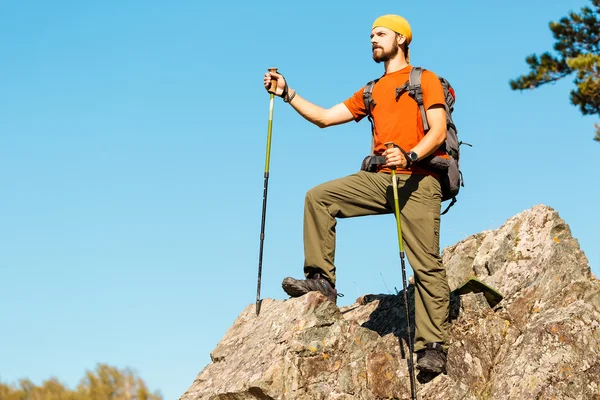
<point>384,44</point>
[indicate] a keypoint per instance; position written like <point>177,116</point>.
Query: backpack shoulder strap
<point>368,96</point>
<point>415,90</point>
<point>369,104</point>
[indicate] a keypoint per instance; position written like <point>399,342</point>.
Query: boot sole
<point>292,289</point>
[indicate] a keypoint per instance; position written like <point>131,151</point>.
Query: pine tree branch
<point>545,69</point>
<point>577,50</point>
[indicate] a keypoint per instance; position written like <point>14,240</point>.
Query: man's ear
<point>400,39</point>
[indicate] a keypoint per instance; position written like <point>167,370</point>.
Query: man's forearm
<point>311,112</point>
<point>436,115</point>
<point>431,142</point>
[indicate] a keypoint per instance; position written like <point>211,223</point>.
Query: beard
<point>384,55</point>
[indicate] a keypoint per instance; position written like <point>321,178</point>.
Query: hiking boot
<point>432,359</point>
<point>315,283</point>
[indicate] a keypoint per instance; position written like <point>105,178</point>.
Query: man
<point>396,120</point>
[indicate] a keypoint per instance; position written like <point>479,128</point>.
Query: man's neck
<point>395,64</point>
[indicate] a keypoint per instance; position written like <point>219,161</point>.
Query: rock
<point>542,341</point>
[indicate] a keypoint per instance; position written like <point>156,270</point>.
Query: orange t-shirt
<point>398,121</point>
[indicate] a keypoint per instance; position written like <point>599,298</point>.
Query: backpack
<point>448,169</point>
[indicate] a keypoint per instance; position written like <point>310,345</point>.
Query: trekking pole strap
<point>289,96</point>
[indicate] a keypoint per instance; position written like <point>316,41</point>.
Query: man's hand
<point>269,76</point>
<point>394,158</point>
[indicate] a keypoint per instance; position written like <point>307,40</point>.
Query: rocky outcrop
<point>541,342</point>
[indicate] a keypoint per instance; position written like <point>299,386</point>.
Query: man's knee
<point>315,195</point>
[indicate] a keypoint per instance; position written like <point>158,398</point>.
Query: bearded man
<point>396,119</point>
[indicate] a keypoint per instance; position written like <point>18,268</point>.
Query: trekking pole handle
<point>391,145</point>
<point>273,86</point>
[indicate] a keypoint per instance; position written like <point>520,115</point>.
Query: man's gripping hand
<point>395,158</point>
<point>281,84</point>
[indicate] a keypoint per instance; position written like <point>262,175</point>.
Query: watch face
<point>413,156</point>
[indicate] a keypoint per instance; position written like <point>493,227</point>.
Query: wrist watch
<point>412,157</point>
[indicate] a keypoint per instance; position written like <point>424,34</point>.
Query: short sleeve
<point>356,105</point>
<point>433,92</point>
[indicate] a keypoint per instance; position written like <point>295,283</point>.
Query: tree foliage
<point>105,383</point>
<point>578,52</point>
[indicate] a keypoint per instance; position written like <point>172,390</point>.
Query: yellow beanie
<point>395,23</point>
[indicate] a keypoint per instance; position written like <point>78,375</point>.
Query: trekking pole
<point>271,90</point>
<point>411,370</point>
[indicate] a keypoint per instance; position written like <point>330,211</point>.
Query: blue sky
<point>133,147</point>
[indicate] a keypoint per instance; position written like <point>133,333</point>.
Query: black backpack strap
<point>416,92</point>
<point>368,96</point>
<point>449,205</point>
<point>369,104</point>
<point>400,90</point>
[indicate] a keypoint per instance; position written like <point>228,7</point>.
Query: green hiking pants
<point>367,193</point>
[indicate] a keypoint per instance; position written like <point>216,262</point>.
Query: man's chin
<point>378,55</point>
